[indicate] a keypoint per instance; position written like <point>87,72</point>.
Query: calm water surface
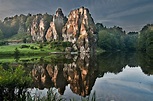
<point>112,76</point>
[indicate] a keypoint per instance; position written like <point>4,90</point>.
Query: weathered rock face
<point>35,28</point>
<point>55,30</point>
<point>80,29</point>
<point>39,27</point>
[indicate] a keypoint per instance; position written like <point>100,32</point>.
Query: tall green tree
<point>131,41</point>
<point>111,39</point>
<point>145,37</point>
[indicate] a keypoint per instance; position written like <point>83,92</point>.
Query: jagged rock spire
<point>55,30</point>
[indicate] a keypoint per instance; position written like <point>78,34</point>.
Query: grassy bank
<point>28,49</point>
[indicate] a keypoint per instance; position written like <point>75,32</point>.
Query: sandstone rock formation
<point>39,27</point>
<point>80,29</point>
<point>54,33</point>
<point>35,29</point>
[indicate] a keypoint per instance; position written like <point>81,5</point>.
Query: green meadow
<point>29,49</point>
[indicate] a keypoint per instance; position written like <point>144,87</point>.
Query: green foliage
<point>24,46</point>
<point>16,52</point>
<point>131,41</point>
<point>3,43</point>
<point>29,20</point>
<point>24,40</point>
<point>111,39</point>
<point>33,47</point>
<point>66,44</point>
<point>59,45</point>
<point>14,77</point>
<point>32,50</point>
<point>145,40</point>
<point>13,81</point>
<point>25,37</point>
<point>1,34</point>
<point>41,45</point>
<point>99,26</point>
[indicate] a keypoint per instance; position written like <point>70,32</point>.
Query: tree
<point>1,34</point>
<point>131,41</point>
<point>145,38</point>
<point>99,26</point>
<point>107,41</point>
<point>28,22</point>
<point>16,54</point>
<point>111,39</point>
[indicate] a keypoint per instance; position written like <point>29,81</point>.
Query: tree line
<point>115,39</point>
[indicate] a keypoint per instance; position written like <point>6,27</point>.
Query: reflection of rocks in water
<point>56,74</point>
<point>41,77</point>
<point>80,74</point>
<point>81,71</point>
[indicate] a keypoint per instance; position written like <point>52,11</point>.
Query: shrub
<point>24,46</point>
<point>13,82</point>
<point>3,43</point>
<point>33,47</point>
<point>66,44</point>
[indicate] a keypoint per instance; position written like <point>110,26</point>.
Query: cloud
<point>132,11</point>
<point>109,12</point>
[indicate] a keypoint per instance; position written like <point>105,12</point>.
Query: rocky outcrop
<point>80,29</point>
<point>35,28</point>
<point>39,27</point>
<point>55,30</point>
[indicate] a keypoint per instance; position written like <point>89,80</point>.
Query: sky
<point>131,15</point>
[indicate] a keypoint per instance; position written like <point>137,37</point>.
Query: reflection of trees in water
<point>109,62</point>
<point>146,63</point>
<point>114,62</point>
<point>81,74</point>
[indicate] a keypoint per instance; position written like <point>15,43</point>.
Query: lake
<point>117,76</point>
